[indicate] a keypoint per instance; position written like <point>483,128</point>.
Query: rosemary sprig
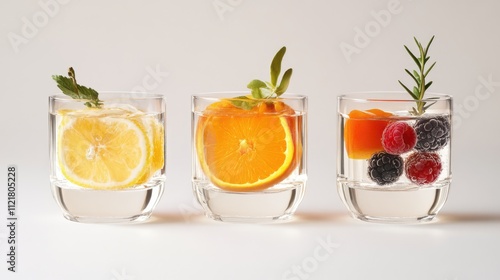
<point>419,76</point>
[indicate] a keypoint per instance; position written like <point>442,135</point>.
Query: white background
<point>184,47</point>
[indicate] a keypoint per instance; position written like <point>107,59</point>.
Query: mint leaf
<point>276,66</point>
<point>70,87</point>
<point>285,81</point>
<point>255,86</point>
<point>66,86</point>
<point>267,90</point>
<point>244,102</point>
<point>267,93</point>
<point>257,93</point>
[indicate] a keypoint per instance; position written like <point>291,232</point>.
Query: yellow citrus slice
<point>102,150</point>
<point>156,133</point>
<point>244,151</point>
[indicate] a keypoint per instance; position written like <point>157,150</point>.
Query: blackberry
<point>384,168</point>
<point>432,133</point>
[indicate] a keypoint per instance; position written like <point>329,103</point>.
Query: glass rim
<point>217,95</point>
<point>111,95</point>
<point>366,96</point>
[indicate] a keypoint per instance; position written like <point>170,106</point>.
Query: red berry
<point>423,167</point>
<point>399,138</point>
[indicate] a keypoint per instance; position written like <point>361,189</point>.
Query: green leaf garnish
<point>419,76</point>
<point>244,102</point>
<point>70,87</point>
<point>261,90</point>
<point>276,66</point>
<point>255,86</point>
<point>285,81</point>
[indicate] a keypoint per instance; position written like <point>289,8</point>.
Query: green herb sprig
<point>419,76</point>
<point>267,90</point>
<point>70,87</point>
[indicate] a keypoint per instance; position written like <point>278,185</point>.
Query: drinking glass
<point>249,156</point>
<point>107,164</point>
<point>394,155</point>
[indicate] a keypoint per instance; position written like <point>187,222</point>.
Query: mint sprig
<point>266,90</point>
<point>419,76</point>
<point>70,87</point>
<point>272,89</point>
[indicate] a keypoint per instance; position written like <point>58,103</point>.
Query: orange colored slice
<point>246,150</point>
<point>363,132</point>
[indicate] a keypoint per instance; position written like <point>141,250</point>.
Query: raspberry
<point>399,138</point>
<point>423,167</point>
<point>432,133</point>
<point>384,168</point>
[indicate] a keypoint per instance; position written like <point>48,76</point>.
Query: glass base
<point>382,205</point>
<point>108,220</point>
<point>395,220</point>
<point>107,206</point>
<point>275,204</point>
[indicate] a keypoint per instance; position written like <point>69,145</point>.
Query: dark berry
<point>384,168</point>
<point>423,167</point>
<point>399,138</point>
<point>432,133</point>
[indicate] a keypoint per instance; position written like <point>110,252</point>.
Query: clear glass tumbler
<point>394,155</point>
<point>249,156</point>
<point>107,164</point>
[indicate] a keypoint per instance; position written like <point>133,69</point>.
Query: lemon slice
<point>158,145</point>
<point>103,150</point>
<point>156,133</point>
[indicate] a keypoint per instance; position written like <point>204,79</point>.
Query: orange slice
<point>363,132</point>
<point>244,150</point>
